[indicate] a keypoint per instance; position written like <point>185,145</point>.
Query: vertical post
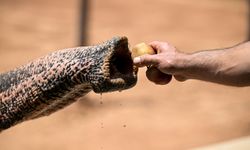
<point>83,23</point>
<point>248,2</point>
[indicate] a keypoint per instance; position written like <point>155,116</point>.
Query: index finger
<point>146,60</point>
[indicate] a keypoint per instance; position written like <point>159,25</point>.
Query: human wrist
<point>203,65</point>
<point>181,64</point>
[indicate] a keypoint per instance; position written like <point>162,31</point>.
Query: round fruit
<point>158,77</point>
<point>142,49</point>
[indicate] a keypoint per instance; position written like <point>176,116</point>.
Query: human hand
<point>228,66</point>
<point>165,62</point>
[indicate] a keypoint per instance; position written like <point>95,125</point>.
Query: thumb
<point>145,60</point>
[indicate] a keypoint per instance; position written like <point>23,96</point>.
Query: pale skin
<point>228,66</point>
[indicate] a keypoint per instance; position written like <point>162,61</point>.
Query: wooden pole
<point>83,23</point>
<point>248,2</point>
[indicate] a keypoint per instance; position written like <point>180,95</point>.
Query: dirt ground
<point>146,117</point>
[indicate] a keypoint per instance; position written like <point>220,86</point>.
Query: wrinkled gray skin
<point>54,81</point>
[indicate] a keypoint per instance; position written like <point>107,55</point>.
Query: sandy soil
<point>148,117</point>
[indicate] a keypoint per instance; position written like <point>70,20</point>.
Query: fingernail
<point>137,60</point>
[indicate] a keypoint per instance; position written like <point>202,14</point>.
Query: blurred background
<point>147,117</point>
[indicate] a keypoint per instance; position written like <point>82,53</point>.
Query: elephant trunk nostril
<point>121,63</point>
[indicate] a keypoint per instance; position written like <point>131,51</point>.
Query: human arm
<point>229,66</point>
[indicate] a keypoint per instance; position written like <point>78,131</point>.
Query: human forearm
<point>230,66</point>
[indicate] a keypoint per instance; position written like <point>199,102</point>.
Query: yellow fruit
<point>142,49</point>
